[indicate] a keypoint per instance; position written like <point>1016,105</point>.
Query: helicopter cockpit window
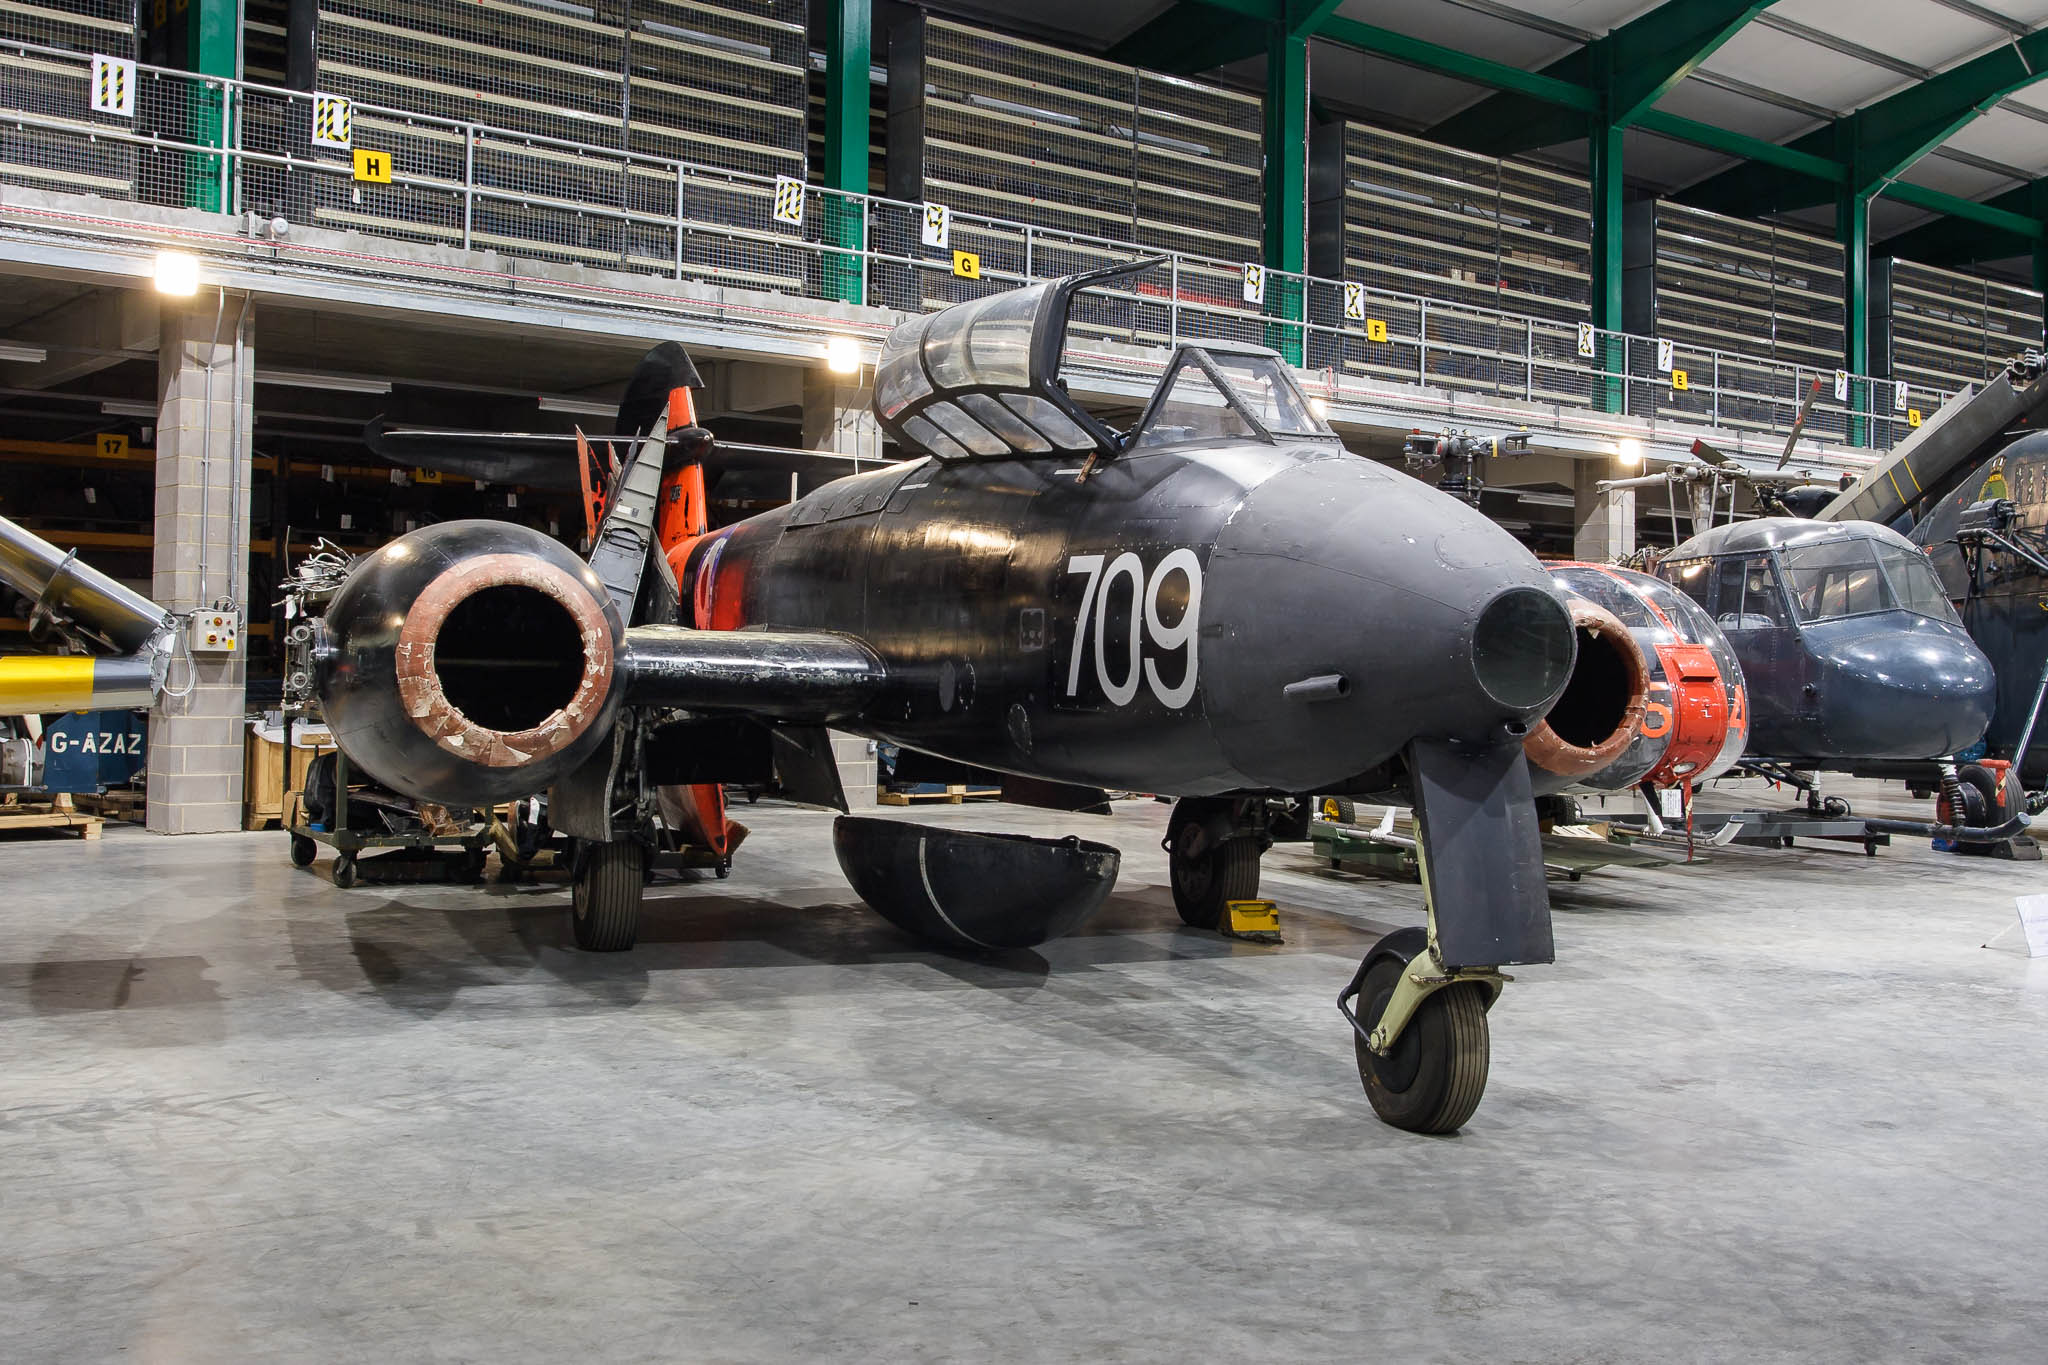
<point>1854,577</point>
<point>1256,400</point>
<point>1915,583</point>
<point>1748,596</point>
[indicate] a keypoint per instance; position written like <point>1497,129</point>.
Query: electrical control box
<point>214,631</point>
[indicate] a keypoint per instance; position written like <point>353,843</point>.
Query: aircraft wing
<point>544,459</point>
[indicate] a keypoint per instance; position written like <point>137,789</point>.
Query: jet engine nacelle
<point>1656,694</point>
<point>470,663</point>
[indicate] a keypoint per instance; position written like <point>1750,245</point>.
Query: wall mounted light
<point>177,274</point>
<point>1629,451</point>
<point>842,355</point>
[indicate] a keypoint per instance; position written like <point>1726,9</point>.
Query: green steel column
<point>849,53</point>
<point>200,36</point>
<point>1286,186</point>
<point>1852,230</point>
<point>1604,145</point>
<point>2037,203</point>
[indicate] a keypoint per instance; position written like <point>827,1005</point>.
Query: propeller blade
<point>1799,422</point>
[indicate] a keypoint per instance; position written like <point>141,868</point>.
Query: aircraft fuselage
<point>1216,617</point>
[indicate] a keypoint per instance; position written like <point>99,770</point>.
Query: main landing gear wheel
<point>1207,879</point>
<point>605,904</point>
<point>1432,1079</point>
<point>1336,810</point>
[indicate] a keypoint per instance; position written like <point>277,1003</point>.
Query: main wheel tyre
<point>1336,810</point>
<point>304,851</point>
<point>1434,1075</point>
<point>605,905</point>
<point>1205,883</point>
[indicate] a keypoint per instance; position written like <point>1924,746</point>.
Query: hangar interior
<point>285,282</point>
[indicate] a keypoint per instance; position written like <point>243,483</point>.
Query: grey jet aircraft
<point>1220,604</point>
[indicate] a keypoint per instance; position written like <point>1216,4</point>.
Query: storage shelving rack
<point>44,159</point>
<point>714,85</point>
<point>1077,146</point>
<point>1948,329</point>
<point>1724,291</point>
<point>1404,217</point>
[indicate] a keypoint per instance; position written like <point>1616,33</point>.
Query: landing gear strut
<point>1421,1037</point>
<point>605,903</point>
<point>1213,847</point>
<point>1422,994</point>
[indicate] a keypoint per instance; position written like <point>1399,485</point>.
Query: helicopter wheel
<point>1432,1079</point>
<point>1336,810</point>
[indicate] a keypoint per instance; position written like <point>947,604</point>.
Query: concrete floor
<point>1780,1106</point>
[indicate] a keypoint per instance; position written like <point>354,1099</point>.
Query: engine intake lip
<point>1551,751</point>
<point>427,705</point>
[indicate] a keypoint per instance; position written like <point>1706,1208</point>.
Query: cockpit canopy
<point>1211,393</point>
<point>980,380</point>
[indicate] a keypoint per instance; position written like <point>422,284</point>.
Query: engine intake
<point>1601,709</point>
<point>470,663</point>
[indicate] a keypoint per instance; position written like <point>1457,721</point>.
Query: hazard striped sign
<point>113,86</point>
<point>333,121</point>
<point>789,200</point>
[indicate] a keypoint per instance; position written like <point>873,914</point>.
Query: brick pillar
<point>855,758</point>
<point>839,415</point>
<point>1605,523</point>
<point>202,554</point>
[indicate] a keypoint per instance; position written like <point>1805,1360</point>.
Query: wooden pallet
<point>126,806</point>
<point>952,795</point>
<point>57,814</point>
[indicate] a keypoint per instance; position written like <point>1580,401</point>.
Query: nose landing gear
<point>1423,992</point>
<point>1421,1036</point>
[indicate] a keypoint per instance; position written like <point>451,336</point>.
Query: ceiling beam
<point>1632,68</point>
<point>1463,66</point>
<point>1880,141</point>
<point>1953,240</point>
<point>1198,35</point>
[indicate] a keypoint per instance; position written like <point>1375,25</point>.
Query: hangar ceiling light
<point>580,406</point>
<point>306,379</point>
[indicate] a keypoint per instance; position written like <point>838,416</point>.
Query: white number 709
<point>1095,615</point>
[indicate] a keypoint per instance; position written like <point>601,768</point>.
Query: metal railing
<point>236,146</point>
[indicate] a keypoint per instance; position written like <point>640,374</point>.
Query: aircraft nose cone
<point>1359,609</point>
<point>1917,689</point>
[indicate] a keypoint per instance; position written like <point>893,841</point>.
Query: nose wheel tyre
<point>604,912</point>
<point>1431,1080</point>
<point>1207,879</point>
